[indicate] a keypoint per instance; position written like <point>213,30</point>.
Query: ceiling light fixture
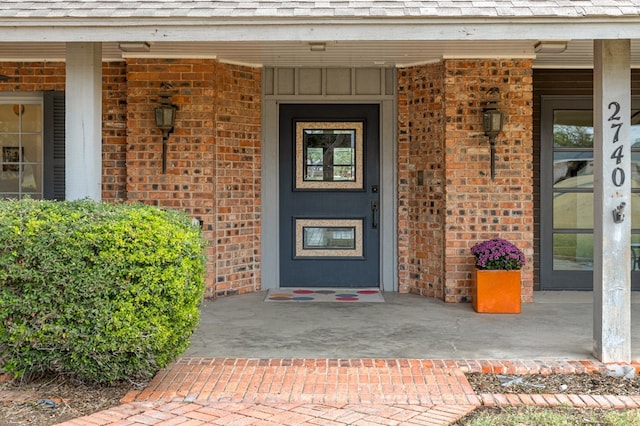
<point>550,46</point>
<point>135,46</point>
<point>318,46</point>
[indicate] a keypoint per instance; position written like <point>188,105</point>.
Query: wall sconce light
<point>492,119</point>
<point>165,119</point>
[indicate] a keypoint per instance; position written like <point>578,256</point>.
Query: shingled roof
<point>230,9</point>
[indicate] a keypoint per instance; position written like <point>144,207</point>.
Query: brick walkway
<point>228,391</point>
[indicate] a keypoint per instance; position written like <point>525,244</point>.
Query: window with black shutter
<point>54,145</point>
<point>32,145</point>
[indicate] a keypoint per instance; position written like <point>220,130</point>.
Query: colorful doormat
<point>369,295</point>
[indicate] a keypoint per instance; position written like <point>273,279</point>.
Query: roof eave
<point>317,29</point>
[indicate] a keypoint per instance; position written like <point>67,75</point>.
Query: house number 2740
<point>617,175</point>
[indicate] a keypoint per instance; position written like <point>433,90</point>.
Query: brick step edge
<point>556,400</point>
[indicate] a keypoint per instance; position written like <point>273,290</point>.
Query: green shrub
<point>103,291</point>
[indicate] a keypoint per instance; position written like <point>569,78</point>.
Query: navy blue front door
<point>329,195</point>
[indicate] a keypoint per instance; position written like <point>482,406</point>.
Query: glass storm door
<point>567,195</point>
<point>329,196</point>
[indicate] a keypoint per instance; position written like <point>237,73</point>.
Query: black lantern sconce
<point>492,119</point>
<point>165,118</point>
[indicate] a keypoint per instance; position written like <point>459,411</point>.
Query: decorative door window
<point>328,237</point>
<point>329,155</point>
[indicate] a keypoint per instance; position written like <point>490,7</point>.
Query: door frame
<point>270,264</point>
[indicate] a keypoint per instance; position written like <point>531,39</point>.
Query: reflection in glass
<point>573,128</point>
<point>572,252</point>
<point>9,184</point>
<point>635,211</point>
<point>635,252</point>
<point>635,170</point>
<point>31,120</point>
<point>9,121</point>
<point>573,210</point>
<point>31,176</point>
<point>329,155</point>
<point>573,169</point>
<point>329,238</point>
<point>635,128</point>
<point>573,190</point>
<point>21,155</point>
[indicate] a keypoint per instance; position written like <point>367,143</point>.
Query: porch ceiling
<point>579,53</point>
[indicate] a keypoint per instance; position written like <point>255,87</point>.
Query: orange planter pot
<point>496,292</point>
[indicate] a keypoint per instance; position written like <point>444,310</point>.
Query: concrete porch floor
<point>558,326</point>
<point>400,362</point>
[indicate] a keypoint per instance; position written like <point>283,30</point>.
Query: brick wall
<point>440,134</point>
<point>479,208</point>
<point>213,158</point>
<point>421,180</point>
<point>32,76</point>
<point>114,131</point>
<point>238,179</point>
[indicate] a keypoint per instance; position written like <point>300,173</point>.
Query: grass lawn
<point>557,416</point>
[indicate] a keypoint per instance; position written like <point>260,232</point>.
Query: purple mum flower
<point>498,254</point>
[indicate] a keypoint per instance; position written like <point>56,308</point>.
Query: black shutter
<point>54,146</point>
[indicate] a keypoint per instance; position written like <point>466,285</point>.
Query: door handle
<point>374,210</point>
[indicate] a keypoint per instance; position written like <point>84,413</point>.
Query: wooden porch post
<point>612,201</point>
<point>83,124</point>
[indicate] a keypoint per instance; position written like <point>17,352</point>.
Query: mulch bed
<point>580,384</point>
<point>49,400</point>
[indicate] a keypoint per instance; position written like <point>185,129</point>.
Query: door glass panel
<point>635,210</point>
<point>573,210</point>
<point>573,187</point>
<point>635,128</point>
<point>328,237</point>
<point>329,155</point>
<point>573,169</point>
<point>573,252</point>
<point>331,152</point>
<point>635,170</point>
<point>635,252</point>
<point>573,128</point>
